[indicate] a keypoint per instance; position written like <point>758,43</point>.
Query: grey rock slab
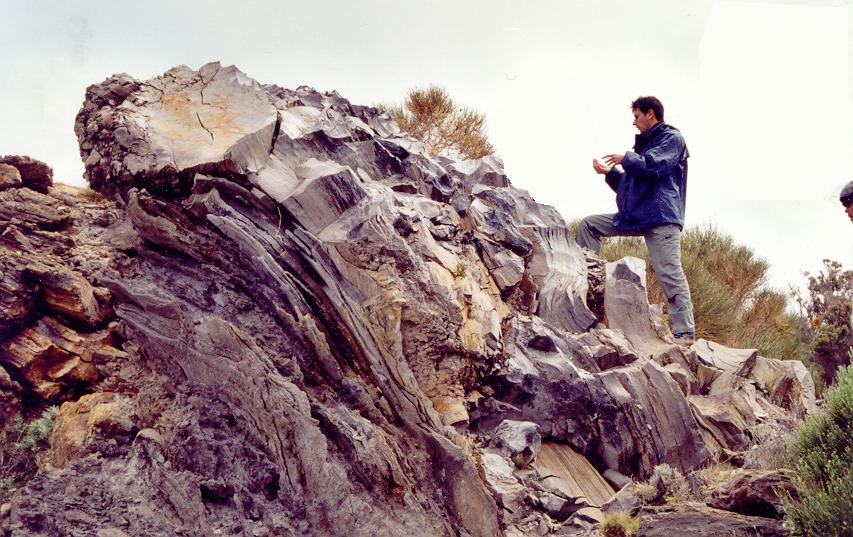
<point>666,430</point>
<point>619,481</point>
<point>486,171</point>
<point>726,358</point>
<point>557,270</point>
<point>505,267</point>
<point>500,478</point>
<point>626,500</point>
<point>627,306</point>
<point>722,425</point>
<point>29,206</point>
<point>325,191</point>
<point>684,377</point>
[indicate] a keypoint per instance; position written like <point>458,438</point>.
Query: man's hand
<point>613,160</point>
<point>599,168</point>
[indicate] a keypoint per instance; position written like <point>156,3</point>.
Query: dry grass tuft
<point>619,524</point>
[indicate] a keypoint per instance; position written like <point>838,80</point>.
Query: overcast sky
<point>762,91</point>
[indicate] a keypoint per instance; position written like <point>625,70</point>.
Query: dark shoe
<point>684,338</point>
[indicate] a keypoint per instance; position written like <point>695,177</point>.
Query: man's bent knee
<point>587,235</point>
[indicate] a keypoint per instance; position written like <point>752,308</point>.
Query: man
<point>651,190</point>
<point>846,198</point>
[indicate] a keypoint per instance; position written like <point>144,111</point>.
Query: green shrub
<point>619,524</point>
<point>822,457</point>
<point>19,444</point>
<point>732,304</point>
<point>669,483</point>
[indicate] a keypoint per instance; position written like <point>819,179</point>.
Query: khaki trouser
<point>664,244</point>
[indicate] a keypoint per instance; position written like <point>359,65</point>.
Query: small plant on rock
<point>645,492</point>
<point>619,524</point>
<point>669,484</point>
<point>712,476</point>
<point>19,444</point>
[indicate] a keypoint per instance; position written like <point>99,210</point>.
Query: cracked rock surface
<point>282,317</point>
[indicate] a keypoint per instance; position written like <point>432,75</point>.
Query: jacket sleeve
<point>657,161</point>
<point>613,178</point>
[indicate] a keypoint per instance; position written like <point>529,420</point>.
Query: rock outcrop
<point>277,315</point>
<point>54,324</point>
<point>25,171</point>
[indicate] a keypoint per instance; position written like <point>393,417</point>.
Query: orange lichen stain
<point>186,119</point>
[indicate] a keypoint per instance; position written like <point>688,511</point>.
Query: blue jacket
<point>652,189</point>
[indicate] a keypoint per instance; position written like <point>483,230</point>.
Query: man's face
<point>644,121</point>
<point>849,210</point>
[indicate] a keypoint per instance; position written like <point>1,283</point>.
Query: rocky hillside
<point>277,315</point>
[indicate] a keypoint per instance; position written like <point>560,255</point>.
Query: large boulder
<point>787,382</point>
<point>753,492</point>
<point>10,177</point>
<point>698,519</point>
<point>520,440</point>
<point>33,174</point>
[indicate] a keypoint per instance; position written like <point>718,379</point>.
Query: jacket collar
<point>640,140</point>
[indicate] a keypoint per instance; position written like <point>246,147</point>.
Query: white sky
<point>763,91</point>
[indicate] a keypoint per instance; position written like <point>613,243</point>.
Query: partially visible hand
<point>599,168</point>
<point>613,160</point>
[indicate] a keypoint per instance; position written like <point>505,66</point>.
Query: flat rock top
<point>196,120</point>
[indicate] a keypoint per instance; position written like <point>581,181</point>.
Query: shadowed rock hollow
<point>285,318</point>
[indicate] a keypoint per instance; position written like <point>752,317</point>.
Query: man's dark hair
<point>644,104</point>
<point>846,196</point>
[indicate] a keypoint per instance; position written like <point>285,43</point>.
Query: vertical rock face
<point>298,323</point>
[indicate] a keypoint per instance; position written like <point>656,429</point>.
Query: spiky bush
<point>822,457</point>
<point>825,315</point>
<point>430,115</point>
